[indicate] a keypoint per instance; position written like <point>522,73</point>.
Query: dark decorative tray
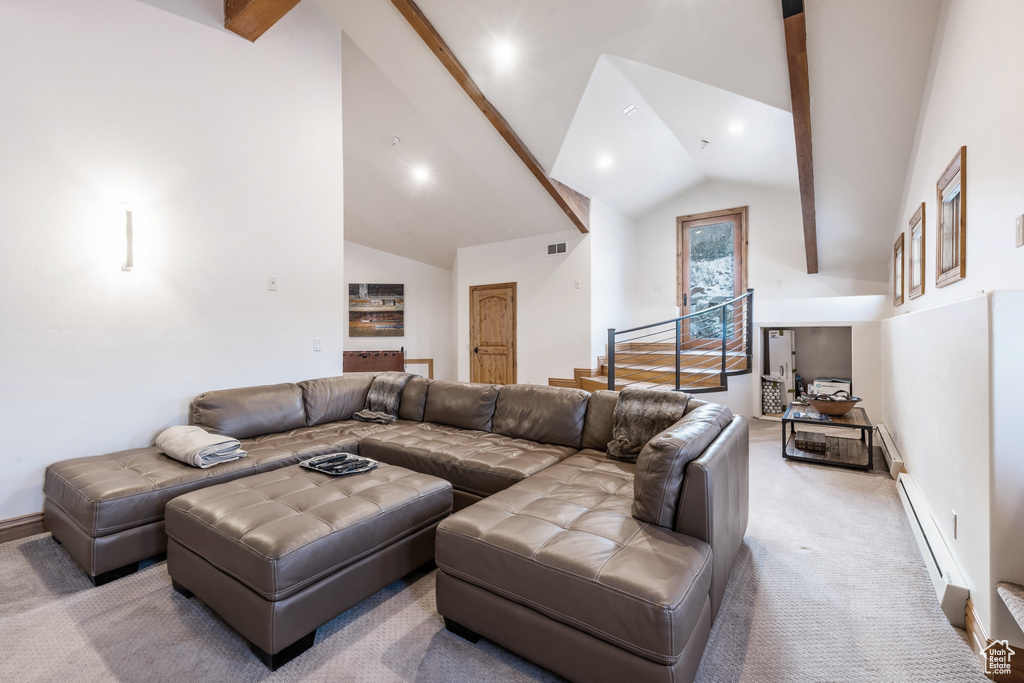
<point>339,464</point>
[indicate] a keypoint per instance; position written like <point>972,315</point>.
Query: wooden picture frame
<point>917,246</point>
<point>951,222</point>
<point>897,271</point>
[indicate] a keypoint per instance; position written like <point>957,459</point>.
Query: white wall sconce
<point>129,260</point>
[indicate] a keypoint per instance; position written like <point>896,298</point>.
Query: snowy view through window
<point>712,277</point>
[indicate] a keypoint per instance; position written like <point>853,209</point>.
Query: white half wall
<point>1007,310</point>
<point>552,315</point>
<point>937,366</point>
<point>862,314</point>
<point>428,306</point>
<point>230,154</point>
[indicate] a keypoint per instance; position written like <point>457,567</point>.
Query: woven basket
<point>835,408</point>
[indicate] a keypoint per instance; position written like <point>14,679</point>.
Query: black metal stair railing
<point>694,353</point>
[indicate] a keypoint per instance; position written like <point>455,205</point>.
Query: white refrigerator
<point>781,351</point>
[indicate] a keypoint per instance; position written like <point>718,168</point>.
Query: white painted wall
<point>936,365</point>
<point>230,153</point>
<point>1007,507</point>
<point>612,239</point>
<point>428,306</point>
<point>972,98</point>
<point>553,317</point>
<point>775,249</point>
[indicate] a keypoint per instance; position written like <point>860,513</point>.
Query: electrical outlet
<point>316,344</point>
<point>272,283</point>
<point>1020,230</point>
<point>954,525</point>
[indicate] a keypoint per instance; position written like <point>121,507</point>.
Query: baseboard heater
<point>892,454</point>
<point>949,583</point>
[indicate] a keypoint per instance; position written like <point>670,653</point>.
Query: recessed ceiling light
<point>505,53</point>
<point>736,128</point>
<point>630,110</point>
<point>420,174</point>
<point>605,162</point>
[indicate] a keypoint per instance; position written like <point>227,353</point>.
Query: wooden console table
<point>840,451</point>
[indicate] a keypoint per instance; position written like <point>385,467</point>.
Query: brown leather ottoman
<point>278,554</point>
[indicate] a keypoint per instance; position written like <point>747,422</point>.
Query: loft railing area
<point>694,353</point>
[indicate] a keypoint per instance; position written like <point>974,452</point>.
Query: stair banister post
<point>611,359</point>
<point>750,329</point>
<point>679,339</point>
<point>725,337</point>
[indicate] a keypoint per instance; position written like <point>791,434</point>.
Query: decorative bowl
<point>834,408</point>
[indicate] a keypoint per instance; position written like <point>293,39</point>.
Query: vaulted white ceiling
<point>693,68</point>
<point>680,133</point>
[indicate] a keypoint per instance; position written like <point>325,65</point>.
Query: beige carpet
<point>829,587</point>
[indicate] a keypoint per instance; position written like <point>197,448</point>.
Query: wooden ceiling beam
<point>575,205</point>
<point>800,92</point>
<point>251,18</point>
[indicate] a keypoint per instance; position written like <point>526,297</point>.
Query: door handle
<point>476,349</point>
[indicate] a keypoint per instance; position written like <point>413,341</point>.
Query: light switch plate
<point>272,284</point>
<point>1020,230</point>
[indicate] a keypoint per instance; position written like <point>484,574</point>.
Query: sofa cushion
<point>280,531</point>
<point>661,465</point>
<point>564,544</point>
<point>459,404</point>
<point>332,399</point>
<point>249,411</point>
<point>109,493</point>
<point>477,462</point>
<point>543,414</point>
<point>414,399</point>
<point>597,428</point>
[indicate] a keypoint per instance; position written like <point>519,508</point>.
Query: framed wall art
<point>376,310</point>
<point>917,243</point>
<point>951,229</point>
<point>897,272</point>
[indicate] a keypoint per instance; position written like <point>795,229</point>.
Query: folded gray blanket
<point>197,447</point>
<point>384,397</point>
<point>639,415</point>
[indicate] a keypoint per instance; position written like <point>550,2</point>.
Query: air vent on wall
<point>555,249</point>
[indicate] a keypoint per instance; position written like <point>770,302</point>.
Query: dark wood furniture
<point>373,361</point>
<point>841,451</point>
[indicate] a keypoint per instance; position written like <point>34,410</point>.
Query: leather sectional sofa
<point>594,568</point>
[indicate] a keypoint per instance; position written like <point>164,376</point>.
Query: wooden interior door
<point>492,333</point>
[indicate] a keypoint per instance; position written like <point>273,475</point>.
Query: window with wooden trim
<point>917,244</point>
<point>951,238</point>
<point>711,266</point>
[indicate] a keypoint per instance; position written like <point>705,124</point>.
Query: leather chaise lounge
<point>602,570</point>
<point>593,568</point>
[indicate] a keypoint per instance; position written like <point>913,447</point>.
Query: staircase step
<point>706,358</point>
<point>664,375</point>
<point>704,382</point>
